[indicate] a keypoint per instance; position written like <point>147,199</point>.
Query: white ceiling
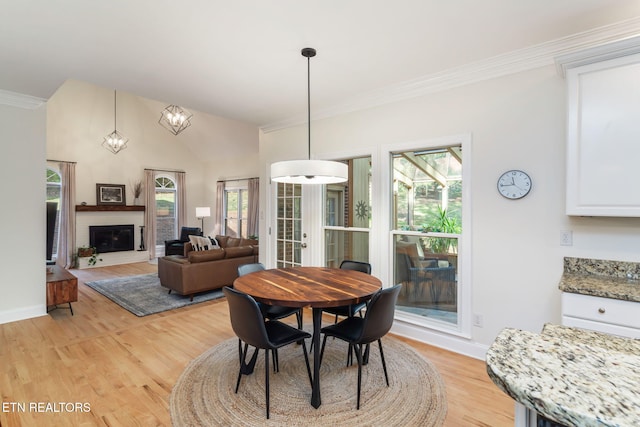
<point>241,59</point>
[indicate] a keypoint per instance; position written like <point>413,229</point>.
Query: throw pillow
<point>195,243</point>
<point>204,243</point>
<point>214,243</point>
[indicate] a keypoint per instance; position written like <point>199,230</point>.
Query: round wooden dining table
<point>315,287</point>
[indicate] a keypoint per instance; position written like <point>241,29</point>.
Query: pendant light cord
<point>115,102</point>
<point>309,106</point>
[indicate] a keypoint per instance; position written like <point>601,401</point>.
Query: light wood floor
<point>121,367</point>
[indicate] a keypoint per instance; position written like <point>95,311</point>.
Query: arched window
<point>166,220</point>
<point>53,195</point>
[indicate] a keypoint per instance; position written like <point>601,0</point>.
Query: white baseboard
<point>439,339</point>
<point>22,313</point>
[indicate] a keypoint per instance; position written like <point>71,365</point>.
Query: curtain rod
<point>60,161</point>
<point>163,170</point>
<point>238,179</point>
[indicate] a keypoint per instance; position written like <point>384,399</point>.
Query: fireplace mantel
<point>108,208</point>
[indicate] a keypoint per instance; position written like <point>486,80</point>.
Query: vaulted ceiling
<point>241,59</point>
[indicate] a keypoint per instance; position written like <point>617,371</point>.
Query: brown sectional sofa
<point>199,271</point>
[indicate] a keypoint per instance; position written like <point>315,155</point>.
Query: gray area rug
<point>143,295</point>
<point>416,396</point>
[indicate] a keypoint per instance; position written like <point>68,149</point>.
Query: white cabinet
<point>612,316</point>
<point>603,138</point>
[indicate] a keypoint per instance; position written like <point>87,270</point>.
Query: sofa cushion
<point>238,251</point>
<point>232,242</point>
<point>177,259</point>
<point>222,240</point>
<point>204,256</point>
<point>248,242</point>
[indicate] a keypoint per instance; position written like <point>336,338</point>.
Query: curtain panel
<point>67,230</point>
<point>254,205</point>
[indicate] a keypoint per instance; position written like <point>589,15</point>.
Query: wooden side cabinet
<point>62,288</point>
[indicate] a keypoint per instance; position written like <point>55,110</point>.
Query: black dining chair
<point>249,326</point>
<point>350,310</point>
<point>361,331</point>
<point>271,312</point>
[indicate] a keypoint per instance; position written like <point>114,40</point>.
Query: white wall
<point>23,228</point>
<point>518,122</point>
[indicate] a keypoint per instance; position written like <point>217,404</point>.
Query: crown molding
<point>536,56</point>
<point>19,100</point>
<point>603,52</point>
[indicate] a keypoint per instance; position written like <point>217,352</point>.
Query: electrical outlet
<point>566,238</point>
<point>478,320</point>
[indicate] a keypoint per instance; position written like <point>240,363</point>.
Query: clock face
<point>514,184</point>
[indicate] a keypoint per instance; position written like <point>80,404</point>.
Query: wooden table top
<point>56,274</point>
<point>317,287</point>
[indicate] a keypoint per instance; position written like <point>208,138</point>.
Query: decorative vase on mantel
<point>136,201</point>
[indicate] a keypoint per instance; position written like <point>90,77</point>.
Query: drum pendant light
<point>309,171</point>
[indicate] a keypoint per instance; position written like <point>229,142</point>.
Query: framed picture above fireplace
<point>110,194</point>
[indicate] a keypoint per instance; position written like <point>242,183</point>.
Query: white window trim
<point>417,327</point>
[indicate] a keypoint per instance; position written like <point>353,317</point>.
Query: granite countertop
<point>601,278</point>
<point>572,376</point>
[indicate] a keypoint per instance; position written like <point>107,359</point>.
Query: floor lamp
<point>201,214</point>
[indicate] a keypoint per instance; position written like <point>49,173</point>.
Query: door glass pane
<point>244,212</point>
<point>165,217</point>
<point>341,245</point>
<point>53,195</point>
<point>427,218</point>
<point>166,224</point>
<point>289,223</point>
<point>348,206</point>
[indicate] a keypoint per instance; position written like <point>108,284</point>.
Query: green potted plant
<point>443,223</point>
<point>89,252</point>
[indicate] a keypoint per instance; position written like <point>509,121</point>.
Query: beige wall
<point>516,122</point>
<point>213,148</point>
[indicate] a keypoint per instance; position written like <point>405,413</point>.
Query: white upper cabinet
<point>603,138</point>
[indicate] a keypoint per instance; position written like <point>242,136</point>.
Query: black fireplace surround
<point>111,238</point>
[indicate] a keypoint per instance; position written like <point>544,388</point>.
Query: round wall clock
<point>514,184</point>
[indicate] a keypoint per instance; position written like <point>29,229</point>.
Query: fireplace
<point>111,238</point>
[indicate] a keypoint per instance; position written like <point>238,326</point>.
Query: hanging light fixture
<point>175,119</point>
<point>309,171</point>
<point>115,141</point>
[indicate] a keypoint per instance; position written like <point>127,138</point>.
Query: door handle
<point>303,245</point>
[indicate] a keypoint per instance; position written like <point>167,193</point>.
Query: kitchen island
<point>568,375</point>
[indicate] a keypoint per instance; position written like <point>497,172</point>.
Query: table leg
<point>317,325</point>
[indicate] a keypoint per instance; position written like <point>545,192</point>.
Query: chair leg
<point>266,379</point>
<point>299,319</point>
<point>384,365</point>
<point>306,360</point>
<point>358,348</point>
<point>243,356</point>
<point>365,356</point>
<point>324,341</point>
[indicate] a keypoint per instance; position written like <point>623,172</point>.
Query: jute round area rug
<point>204,393</point>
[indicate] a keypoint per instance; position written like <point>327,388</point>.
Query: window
<point>53,195</point>
<point>427,224</point>
<point>348,215</point>
<point>166,221</point>
<point>236,204</point>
